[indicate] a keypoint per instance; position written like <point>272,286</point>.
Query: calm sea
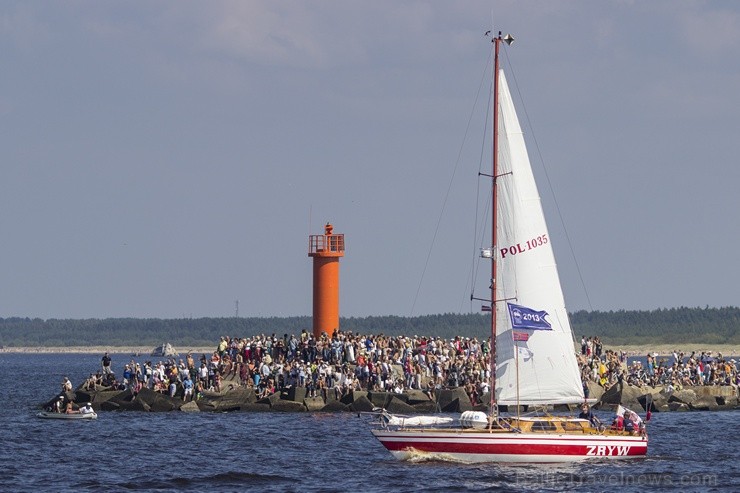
<point>304,452</point>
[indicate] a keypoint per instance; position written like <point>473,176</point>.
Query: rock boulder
<point>398,406</point>
<point>313,404</point>
<point>333,406</point>
<point>361,404</point>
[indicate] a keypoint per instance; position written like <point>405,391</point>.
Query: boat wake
<point>419,456</point>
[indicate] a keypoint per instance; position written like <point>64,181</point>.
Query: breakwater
<point>666,398</point>
<point>408,375</point>
<point>235,397</point>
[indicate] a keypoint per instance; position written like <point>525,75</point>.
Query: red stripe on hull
<point>519,449</point>
<point>521,445</point>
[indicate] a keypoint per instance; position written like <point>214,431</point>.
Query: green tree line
<point>663,326</point>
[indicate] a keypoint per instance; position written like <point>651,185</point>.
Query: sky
<point>166,159</point>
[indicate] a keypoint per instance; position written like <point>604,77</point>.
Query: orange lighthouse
<point>325,250</point>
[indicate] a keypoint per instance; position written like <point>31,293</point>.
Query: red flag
<point>521,336</point>
<point>485,308</point>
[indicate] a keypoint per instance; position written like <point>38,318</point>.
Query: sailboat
<point>532,350</point>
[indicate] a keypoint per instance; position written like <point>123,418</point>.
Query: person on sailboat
<point>629,425</point>
<point>618,423</point>
<point>587,413</point>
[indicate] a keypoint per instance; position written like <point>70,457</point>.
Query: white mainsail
<point>535,360</point>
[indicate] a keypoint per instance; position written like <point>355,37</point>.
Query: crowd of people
<point>343,361</point>
<point>338,363</point>
<point>609,368</point>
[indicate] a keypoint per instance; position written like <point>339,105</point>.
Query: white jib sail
<point>534,341</point>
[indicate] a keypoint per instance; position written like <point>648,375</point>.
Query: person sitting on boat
<point>70,409</point>
<point>587,413</point>
<point>618,423</point>
<point>87,409</point>
<point>58,405</point>
<point>637,423</point>
<point>629,423</point>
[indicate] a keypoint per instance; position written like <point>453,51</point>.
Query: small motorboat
<point>53,415</point>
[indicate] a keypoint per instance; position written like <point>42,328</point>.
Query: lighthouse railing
<point>323,244</point>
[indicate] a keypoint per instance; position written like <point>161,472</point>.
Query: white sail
<point>535,358</point>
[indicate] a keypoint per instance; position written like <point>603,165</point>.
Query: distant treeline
<point>664,326</point>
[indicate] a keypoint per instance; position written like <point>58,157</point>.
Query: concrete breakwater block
<point>716,391</point>
<point>313,404</point>
<point>133,405</point>
<point>595,391</point>
<point>653,402</point>
<point>379,399</point>
<point>190,407</point>
<point>704,405</point>
<point>158,402</point>
<point>98,398</point>
<point>425,407</point>
<point>398,406</point>
<point>232,400</point>
<point>296,394</point>
<point>333,406</point>
<point>273,399</point>
<point>454,400</point>
<point>415,396</point>
<point>286,406</point>
<point>361,405</point>
<point>677,406</point>
<point>685,396</point>
<point>255,408</point>
<point>354,395</point>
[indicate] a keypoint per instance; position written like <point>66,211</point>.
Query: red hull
<point>510,447</point>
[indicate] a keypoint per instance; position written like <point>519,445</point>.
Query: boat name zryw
<point>607,449</point>
<point>523,247</point>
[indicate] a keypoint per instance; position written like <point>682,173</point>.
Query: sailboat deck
<point>542,424</point>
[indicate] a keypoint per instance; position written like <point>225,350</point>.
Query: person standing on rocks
<point>106,362</point>
<point>187,386</point>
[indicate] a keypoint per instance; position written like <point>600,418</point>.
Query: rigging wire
<point>549,183</point>
<point>475,259</point>
<point>447,194</point>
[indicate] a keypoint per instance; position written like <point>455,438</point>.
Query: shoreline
<point>665,350</point>
<point>140,350</point>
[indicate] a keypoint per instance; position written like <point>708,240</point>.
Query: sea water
<point>304,452</point>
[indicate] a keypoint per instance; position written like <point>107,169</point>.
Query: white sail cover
<point>534,341</point>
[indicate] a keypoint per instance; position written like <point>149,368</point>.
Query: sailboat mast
<point>494,205</point>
